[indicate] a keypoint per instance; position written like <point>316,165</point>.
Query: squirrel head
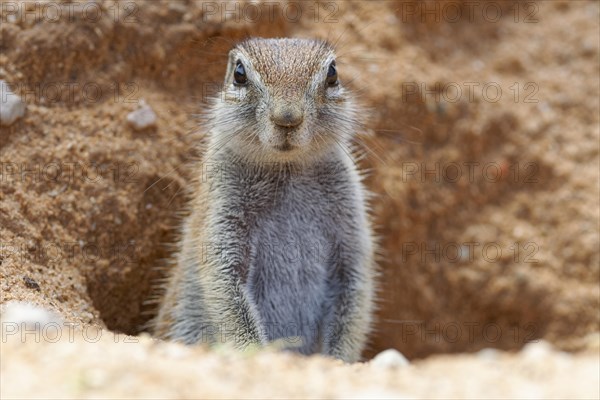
<point>282,100</point>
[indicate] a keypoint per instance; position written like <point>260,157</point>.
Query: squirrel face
<point>282,100</point>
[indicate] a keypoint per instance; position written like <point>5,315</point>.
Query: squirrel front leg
<point>349,320</point>
<point>210,303</point>
<point>230,305</point>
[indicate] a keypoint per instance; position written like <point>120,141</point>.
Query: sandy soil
<point>101,365</point>
<point>485,200</point>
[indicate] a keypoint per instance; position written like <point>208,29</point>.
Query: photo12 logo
<point>463,252</point>
<point>72,92</point>
<point>25,12</point>
<point>69,173</point>
<point>55,331</point>
<point>270,11</point>
<point>54,252</point>
<point>466,331</point>
<point>470,92</point>
<point>470,172</point>
<point>468,11</point>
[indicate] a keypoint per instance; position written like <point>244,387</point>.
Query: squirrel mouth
<point>285,147</point>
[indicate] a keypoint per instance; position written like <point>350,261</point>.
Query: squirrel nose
<point>287,116</point>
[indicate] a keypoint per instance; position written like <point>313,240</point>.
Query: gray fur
<point>278,245</point>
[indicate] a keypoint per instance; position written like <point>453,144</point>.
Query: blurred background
<point>481,143</point>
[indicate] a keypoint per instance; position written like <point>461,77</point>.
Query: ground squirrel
<point>278,245</point>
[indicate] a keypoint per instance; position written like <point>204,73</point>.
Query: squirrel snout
<point>287,115</point>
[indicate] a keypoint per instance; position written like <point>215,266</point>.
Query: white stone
<point>390,358</point>
<point>537,351</point>
<point>142,118</point>
<point>28,316</point>
<point>11,106</point>
<point>488,354</point>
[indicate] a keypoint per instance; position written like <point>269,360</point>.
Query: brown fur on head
<point>282,101</point>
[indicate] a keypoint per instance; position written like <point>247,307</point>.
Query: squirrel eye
<point>239,74</point>
<point>332,77</point>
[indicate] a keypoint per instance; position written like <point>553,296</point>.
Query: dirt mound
<point>100,365</point>
<point>483,147</point>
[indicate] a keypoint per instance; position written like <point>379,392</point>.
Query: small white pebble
<point>537,351</point>
<point>27,315</point>
<point>390,358</point>
<point>11,106</point>
<point>142,118</point>
<point>488,354</point>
